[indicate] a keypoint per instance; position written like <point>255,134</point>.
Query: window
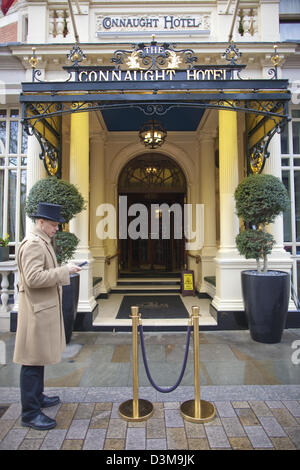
<point>152,172</point>
<point>289,30</point>
<point>289,11</point>
<point>13,160</point>
<point>290,162</point>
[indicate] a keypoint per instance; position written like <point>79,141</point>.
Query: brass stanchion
<point>135,409</point>
<point>197,411</point>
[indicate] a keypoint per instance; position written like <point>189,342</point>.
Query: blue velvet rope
<point>159,389</point>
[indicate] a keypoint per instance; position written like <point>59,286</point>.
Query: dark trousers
<point>31,387</point>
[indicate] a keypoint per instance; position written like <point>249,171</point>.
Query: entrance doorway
<point>158,184</point>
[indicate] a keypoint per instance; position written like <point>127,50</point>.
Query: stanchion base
<point>145,410</point>
<point>187,410</point>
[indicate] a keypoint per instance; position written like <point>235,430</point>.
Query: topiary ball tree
<point>259,198</point>
<point>65,246</point>
<point>57,191</point>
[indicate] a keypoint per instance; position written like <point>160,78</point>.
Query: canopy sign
<point>155,79</point>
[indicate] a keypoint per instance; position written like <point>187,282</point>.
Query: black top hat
<point>49,212</point>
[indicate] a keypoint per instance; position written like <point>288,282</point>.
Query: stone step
<point>147,285</point>
<point>134,288</point>
<point>149,282</point>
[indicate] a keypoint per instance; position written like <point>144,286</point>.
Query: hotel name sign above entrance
<point>102,75</point>
<point>152,63</point>
<point>133,23</point>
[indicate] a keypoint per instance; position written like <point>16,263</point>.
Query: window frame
<point>293,244</point>
<point>18,165</point>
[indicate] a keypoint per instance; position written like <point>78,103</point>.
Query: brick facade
<point>9,33</point>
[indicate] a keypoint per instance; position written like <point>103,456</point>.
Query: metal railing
<point>109,258</point>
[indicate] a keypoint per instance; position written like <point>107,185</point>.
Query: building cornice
<point>55,55</point>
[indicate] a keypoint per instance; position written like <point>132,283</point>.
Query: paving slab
<point>87,425</point>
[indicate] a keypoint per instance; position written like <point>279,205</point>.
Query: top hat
<point>49,211</point>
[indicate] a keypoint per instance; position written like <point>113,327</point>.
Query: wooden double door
<point>161,244</point>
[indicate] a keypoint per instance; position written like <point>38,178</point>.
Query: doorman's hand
<point>73,268</point>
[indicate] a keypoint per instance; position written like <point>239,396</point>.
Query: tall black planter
<point>70,296</point>
<point>4,253</point>
<point>266,299</point>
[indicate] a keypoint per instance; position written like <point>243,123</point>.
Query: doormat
<point>153,306</point>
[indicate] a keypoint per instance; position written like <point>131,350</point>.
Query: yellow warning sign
<point>187,283</point>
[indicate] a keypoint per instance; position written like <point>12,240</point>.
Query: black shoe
<point>41,422</point>
<point>49,401</point>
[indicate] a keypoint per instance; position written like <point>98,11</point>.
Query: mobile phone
<point>82,264</point>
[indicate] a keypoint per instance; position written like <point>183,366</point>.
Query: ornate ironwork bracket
<point>49,155</point>
<point>153,57</point>
<point>259,153</point>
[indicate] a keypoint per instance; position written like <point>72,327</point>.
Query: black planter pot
<point>266,299</point>
<point>4,253</point>
<point>70,296</point>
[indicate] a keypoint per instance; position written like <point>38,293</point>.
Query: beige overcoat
<point>40,337</point>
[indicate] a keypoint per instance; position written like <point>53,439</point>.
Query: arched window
<point>152,172</point>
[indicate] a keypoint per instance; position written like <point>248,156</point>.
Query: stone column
<point>228,261</point>
<point>208,199</point>
<point>35,170</point>
<point>97,197</point>
<point>79,176</point>
<point>228,175</point>
<point>79,225</point>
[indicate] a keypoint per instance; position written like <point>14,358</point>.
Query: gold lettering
<point>116,75</point>
<point>128,76</point>
<point>159,74</point>
<point>217,74</point>
<point>80,76</point>
<point>103,76</point>
<point>191,74</point>
<point>150,73</point>
<point>92,76</point>
<point>209,74</point>
<point>171,74</point>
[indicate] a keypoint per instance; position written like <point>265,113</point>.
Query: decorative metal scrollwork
<point>76,55</point>
<point>33,62</point>
<point>51,161</point>
<point>259,152</point>
<point>275,61</point>
<point>153,57</point>
<point>232,54</point>
<point>49,154</point>
<point>35,112</point>
<point>257,158</point>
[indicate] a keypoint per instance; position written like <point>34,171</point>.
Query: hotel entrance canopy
<point>148,79</point>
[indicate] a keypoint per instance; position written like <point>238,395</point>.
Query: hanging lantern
<point>152,134</point>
